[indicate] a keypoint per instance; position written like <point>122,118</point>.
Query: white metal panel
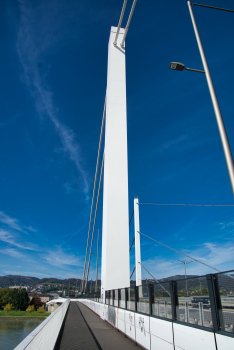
<point>160,344</point>
<point>115,229</point>
<point>224,343</point>
<point>120,314</point>
<point>142,322</point>
<point>130,330</point>
<point>143,337</point>
<point>130,317</point>
<point>121,325</point>
<point>189,338</point>
<point>161,329</point>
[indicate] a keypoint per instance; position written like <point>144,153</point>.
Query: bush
<point>30,308</point>
<point>8,307</point>
<point>41,309</point>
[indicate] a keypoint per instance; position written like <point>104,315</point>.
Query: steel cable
<point>94,187</point>
<point>95,216</point>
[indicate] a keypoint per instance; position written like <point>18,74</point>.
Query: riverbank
<point>23,314</point>
<point>23,317</point>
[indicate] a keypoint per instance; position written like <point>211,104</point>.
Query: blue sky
<point>53,83</point>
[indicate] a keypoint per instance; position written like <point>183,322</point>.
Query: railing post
<point>215,302</point>
<point>174,299</point>
<point>150,294</point>
<point>136,297</point>
<point>126,298</point>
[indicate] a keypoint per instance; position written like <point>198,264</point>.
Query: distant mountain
<point>12,280</point>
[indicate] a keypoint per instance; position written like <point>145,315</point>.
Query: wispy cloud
<point>173,142</point>
<point>60,259</point>
<point>29,55</point>
<point>10,222</point>
<point>230,225</point>
<point>8,237</point>
<point>13,253</point>
<point>219,256</point>
<point>3,124</point>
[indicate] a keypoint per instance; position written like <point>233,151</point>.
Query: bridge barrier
<point>203,301</point>
<point>154,333</point>
<point>45,335</point>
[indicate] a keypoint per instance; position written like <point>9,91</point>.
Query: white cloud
<point>7,237</point>
<point>219,256</point>
<point>225,225</point>
<point>11,222</point>
<point>29,55</point>
<point>60,259</point>
<point>13,252</point>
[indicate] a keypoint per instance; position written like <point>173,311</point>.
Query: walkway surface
<point>83,329</point>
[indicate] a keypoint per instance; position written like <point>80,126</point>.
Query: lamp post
<point>185,273</point>
<point>218,115</point>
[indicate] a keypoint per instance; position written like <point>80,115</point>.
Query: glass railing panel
<point>131,299</point>
<point>122,298</point>
<point>161,300</point>
<point>194,302</point>
<point>107,298</point>
<point>143,299</point>
<point>116,298</point>
<point>111,297</point>
<point>225,283</point>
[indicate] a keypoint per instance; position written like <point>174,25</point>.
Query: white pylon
<point>115,229</point>
<point>137,242</point>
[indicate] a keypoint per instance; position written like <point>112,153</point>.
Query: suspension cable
<point>133,272</point>
<point>100,181</point>
<point>120,21</point>
<point>200,262</point>
<point>131,217</point>
<point>155,279</point>
<point>94,187</point>
<point>131,244</point>
<point>194,205</point>
<point>129,225</point>
<point>212,7</point>
<point>128,23</point>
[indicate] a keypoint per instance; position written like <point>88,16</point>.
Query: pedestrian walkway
<point>83,329</point>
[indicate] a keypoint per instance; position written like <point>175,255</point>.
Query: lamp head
<point>177,66</point>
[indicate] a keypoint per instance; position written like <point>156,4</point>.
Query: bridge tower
<point>115,226</point>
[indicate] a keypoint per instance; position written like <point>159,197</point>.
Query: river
<point>12,332</point>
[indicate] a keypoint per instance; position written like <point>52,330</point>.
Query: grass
<point>14,313</point>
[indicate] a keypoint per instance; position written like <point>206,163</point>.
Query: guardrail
<point>45,335</point>
<point>206,301</point>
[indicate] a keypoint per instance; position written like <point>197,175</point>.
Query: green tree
<point>20,299</point>
<point>5,297</point>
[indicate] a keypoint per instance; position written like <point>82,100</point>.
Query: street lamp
<point>185,274</point>
<point>180,66</point>
<point>218,115</point>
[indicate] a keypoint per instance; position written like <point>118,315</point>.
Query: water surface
<point>12,332</point>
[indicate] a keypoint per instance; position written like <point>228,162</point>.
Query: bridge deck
<point>83,329</point>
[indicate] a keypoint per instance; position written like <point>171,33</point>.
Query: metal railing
<point>205,301</point>
<point>45,335</point>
